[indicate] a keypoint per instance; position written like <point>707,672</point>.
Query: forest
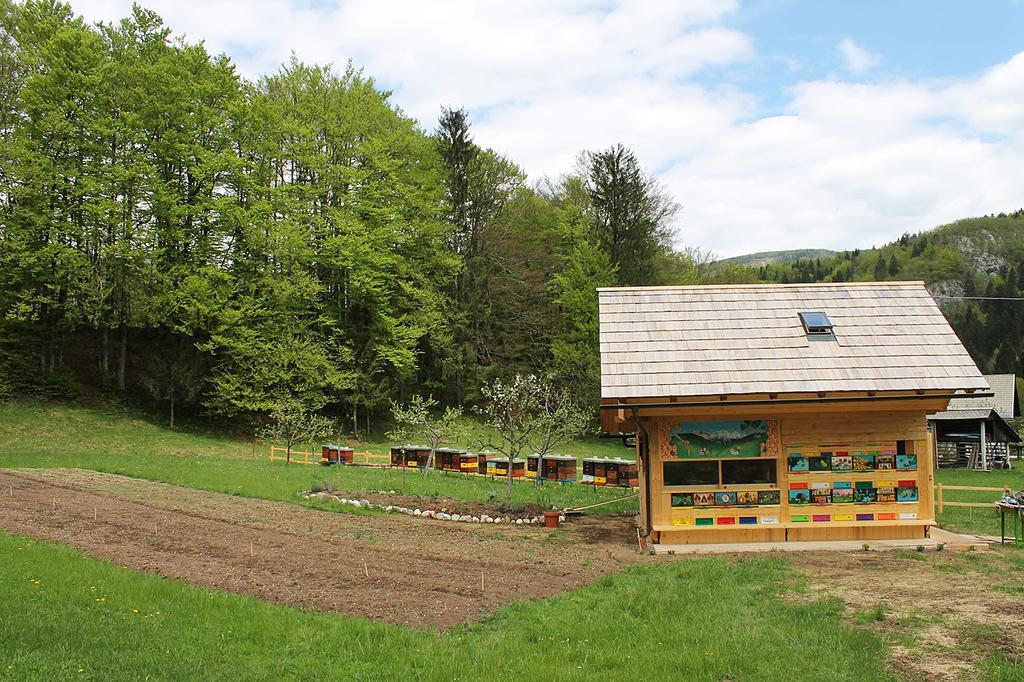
<point>177,236</point>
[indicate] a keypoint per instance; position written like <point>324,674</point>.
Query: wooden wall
<point>804,430</point>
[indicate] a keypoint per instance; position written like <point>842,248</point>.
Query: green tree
<point>631,213</point>
<point>513,412</point>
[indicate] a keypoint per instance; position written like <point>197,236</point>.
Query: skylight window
<point>816,324</point>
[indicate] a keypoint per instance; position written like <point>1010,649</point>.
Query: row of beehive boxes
<point>603,471</point>
<point>336,454</point>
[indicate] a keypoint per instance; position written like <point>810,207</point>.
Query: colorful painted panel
<point>908,494</point>
<point>725,499</point>
<point>906,461</point>
<point>746,438</point>
<point>797,463</point>
<point>768,497</point>
<point>864,495</point>
<point>842,495</point>
<point>682,499</point>
<point>842,462</point>
<point>746,497</point>
<point>884,494</point>
<point>822,462</point>
<point>799,496</point>
<point>863,462</point>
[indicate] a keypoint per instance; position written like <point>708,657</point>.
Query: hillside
<point>772,257</point>
<point>973,257</point>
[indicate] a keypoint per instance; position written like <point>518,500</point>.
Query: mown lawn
<point>701,619</point>
<point>123,442</point>
<point>976,520</point>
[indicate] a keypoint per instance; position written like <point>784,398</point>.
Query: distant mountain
<point>756,260</point>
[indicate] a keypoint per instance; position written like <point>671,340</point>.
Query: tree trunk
<point>367,408</point>
<point>355,419</point>
<point>172,410</point>
<point>288,453</point>
<point>430,461</point>
<point>509,474</point>
<point>122,363</point>
<point>105,353</point>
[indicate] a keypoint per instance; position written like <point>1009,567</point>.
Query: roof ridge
<point>808,285</point>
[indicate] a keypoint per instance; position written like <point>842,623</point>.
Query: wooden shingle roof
<point>1003,400</point>
<point>748,339</point>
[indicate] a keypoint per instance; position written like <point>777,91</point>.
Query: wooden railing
<point>300,457</point>
<point>941,488</point>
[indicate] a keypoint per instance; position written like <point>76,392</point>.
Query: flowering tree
<point>560,418</point>
<point>291,422</point>
<point>528,412</point>
<point>415,420</point>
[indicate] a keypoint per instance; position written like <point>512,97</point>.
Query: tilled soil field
<point>421,573</point>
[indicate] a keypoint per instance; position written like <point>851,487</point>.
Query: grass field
<point>123,442</point>
<point>971,519</point>
<point>697,619</point>
<point>116,440</point>
<point>709,619</point>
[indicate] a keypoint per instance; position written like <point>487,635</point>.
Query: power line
<point>982,298</point>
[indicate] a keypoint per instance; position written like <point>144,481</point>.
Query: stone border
<point>430,513</point>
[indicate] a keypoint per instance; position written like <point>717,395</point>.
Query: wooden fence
<point>941,488</point>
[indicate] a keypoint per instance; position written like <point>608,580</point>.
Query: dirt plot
<point>390,567</point>
<point>943,612</point>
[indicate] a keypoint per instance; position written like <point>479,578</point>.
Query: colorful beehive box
<point>449,459</point>
<point>610,471</point>
<point>498,466</point>
<point>335,454</point>
<point>551,467</point>
<point>559,468</point>
<point>481,462</point>
<point>410,456</point>
<point>464,461</point>
<point>533,466</point>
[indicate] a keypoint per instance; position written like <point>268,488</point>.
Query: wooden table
<point>1016,512</point>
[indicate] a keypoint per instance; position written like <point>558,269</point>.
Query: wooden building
<point>780,412</point>
<point>973,432</point>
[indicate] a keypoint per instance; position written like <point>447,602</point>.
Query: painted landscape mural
<point>740,438</point>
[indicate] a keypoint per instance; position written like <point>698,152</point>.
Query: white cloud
<point>843,165</point>
<point>857,59</point>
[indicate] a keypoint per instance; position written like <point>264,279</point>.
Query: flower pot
<point>551,519</point>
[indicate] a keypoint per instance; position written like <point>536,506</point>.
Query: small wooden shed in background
<point>973,431</point>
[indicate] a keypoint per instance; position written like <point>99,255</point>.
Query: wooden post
<point>982,455</point>
<point>940,498</point>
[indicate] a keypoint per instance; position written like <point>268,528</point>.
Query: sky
<point>775,124</point>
